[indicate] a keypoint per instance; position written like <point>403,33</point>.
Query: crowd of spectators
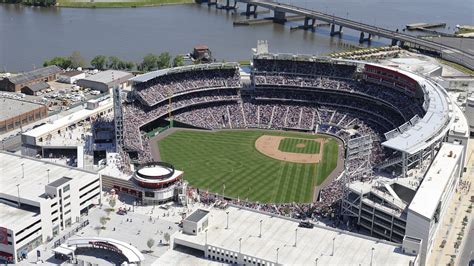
<point>162,87</point>
<point>324,98</point>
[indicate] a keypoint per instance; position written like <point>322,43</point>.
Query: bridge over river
<point>280,11</point>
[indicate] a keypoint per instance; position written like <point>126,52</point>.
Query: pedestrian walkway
<point>444,251</point>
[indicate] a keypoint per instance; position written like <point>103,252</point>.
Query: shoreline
<point>118,4</point>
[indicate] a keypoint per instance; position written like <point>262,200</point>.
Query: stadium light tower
<point>260,235</point>
<point>23,170</point>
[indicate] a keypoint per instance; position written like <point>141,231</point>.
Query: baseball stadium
<point>300,136</point>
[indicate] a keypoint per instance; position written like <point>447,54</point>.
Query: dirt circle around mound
<point>268,145</point>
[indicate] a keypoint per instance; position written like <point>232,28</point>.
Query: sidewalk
<point>444,251</point>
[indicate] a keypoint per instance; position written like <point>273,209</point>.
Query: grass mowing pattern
<point>211,159</point>
<point>290,145</point>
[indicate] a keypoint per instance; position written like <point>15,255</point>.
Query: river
<point>29,35</point>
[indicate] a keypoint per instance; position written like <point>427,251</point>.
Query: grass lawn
<point>119,3</point>
<point>211,159</point>
<point>292,145</point>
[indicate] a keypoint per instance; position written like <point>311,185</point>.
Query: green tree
<point>59,61</point>
<point>164,60</point>
<point>113,62</point>
<point>99,62</point>
<point>167,237</point>
<point>112,203</point>
<point>178,61</point>
<point>150,62</point>
<point>129,65</point>
<point>77,60</point>
<point>103,221</point>
<point>150,243</point>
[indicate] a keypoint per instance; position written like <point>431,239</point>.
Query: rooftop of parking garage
<point>429,193</point>
<point>279,233</point>
<point>31,176</point>
<point>14,217</point>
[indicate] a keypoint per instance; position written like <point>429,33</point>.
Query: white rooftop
<point>13,218</point>
<point>431,189</point>
<point>432,126</point>
<point>350,249</point>
<point>108,76</point>
<point>32,185</point>
<point>68,120</point>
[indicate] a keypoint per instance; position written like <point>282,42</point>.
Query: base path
<point>268,145</point>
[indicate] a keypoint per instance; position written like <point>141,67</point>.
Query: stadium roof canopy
<point>151,75</point>
<point>280,233</point>
<point>429,193</point>
<point>420,134</point>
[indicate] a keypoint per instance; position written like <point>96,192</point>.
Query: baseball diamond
<point>228,162</point>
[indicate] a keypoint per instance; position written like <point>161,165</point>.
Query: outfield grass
<point>211,159</point>
<point>118,3</point>
<point>291,145</point>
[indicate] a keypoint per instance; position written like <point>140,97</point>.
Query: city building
<point>16,83</point>
<point>248,237</point>
<point>71,77</point>
<point>35,88</point>
<point>150,183</point>
<point>69,134</point>
<point>18,113</point>
<point>38,200</point>
<point>104,81</point>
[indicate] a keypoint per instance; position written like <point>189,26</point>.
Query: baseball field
<point>263,166</point>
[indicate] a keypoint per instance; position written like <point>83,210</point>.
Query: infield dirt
<point>268,145</point>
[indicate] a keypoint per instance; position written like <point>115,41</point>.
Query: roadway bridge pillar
<point>363,39</point>
<point>228,6</point>
<point>394,42</point>
<point>333,30</point>
<point>309,23</point>
<point>212,2</point>
<point>249,10</point>
<point>279,16</point>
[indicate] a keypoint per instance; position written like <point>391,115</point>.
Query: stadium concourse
<point>392,123</point>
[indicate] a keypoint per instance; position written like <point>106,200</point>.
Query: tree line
<point>31,2</point>
<point>150,62</point>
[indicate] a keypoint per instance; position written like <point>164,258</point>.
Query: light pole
<point>18,190</point>
<point>240,245</point>
<point>227,227</point>
<point>316,262</point>
<point>277,255</point>
<point>23,169</point>
<point>260,229</point>
<point>372,257</point>
<point>333,243</point>
<point>48,174</point>
<point>296,236</point>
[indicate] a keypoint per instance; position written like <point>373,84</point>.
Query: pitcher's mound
<point>268,145</point>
